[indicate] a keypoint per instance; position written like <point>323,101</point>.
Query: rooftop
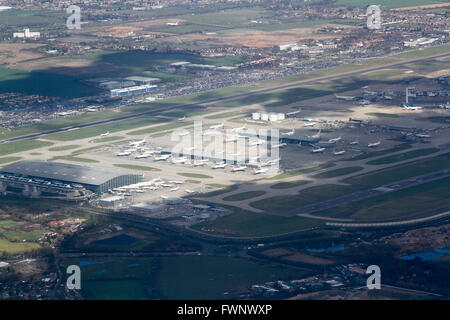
<point>62,171</point>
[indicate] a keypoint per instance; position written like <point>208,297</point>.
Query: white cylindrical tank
<point>273,117</point>
<point>264,116</point>
<point>256,116</point>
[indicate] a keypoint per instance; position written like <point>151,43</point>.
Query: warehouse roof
<point>62,171</point>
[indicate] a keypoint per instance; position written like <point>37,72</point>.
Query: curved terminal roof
<point>63,171</point>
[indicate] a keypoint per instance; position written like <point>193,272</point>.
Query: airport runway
<point>365,194</point>
<point>222,99</point>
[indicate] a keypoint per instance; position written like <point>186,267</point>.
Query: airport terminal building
<point>41,178</point>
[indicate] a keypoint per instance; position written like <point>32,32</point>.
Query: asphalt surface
<point>365,194</point>
<point>215,100</point>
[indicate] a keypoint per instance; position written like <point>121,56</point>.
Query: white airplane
<point>181,119</point>
<point>423,136</point>
<point>179,160</point>
<point>176,181</point>
<point>318,150</point>
<point>175,189</point>
<point>142,156</point>
<point>105,134</point>
<point>163,157</point>
<point>219,166</point>
<point>354,143</point>
<point>412,108</point>
<point>235,154</point>
<point>290,133</point>
<point>198,164</point>
<point>231,139</point>
<point>335,140</point>
<point>240,168</point>
<point>167,185</point>
<point>315,136</point>
<point>209,132</point>
<point>190,149</point>
<point>139,191</point>
<point>172,24</point>
<point>123,154</point>
<point>137,143</point>
<point>345,98</point>
<point>374,145</point>
<point>260,170</point>
<point>219,126</point>
<point>189,191</point>
<point>310,124</point>
<point>280,145</point>
<point>182,133</point>
<point>338,153</point>
<point>257,142</point>
<point>244,127</point>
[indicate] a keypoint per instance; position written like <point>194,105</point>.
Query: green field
<point>244,195</point>
<point>304,197</point>
<point>76,159</point>
<point>382,115</point>
<point>194,175</point>
<point>36,18</point>
<point>17,247</point>
<point>390,175</point>
<point>136,167</point>
<point>404,156</point>
<point>289,184</point>
<point>301,171</point>
<point>106,139</point>
<point>374,154</point>
<point>100,129</point>
<point>384,75</point>
<point>338,172</point>
<point>243,223</point>
<point>164,127</point>
<point>388,3</point>
<point>9,159</point>
<point>19,146</point>
<point>222,190</point>
<point>403,203</point>
<point>65,148</point>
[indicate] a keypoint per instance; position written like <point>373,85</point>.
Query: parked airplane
<point>176,181</point>
<point>338,153</point>
<point>260,170</point>
<point>374,145</point>
<point>231,139</point>
<point>335,140</point>
<point>163,157</point>
<point>316,136</point>
<point>137,143</point>
<point>123,154</point>
<point>105,134</point>
<point>240,168</point>
<point>345,98</point>
<point>173,24</point>
<point>423,136</point>
<point>354,143</point>
<point>142,156</point>
<point>290,133</point>
<point>219,166</point>
<point>219,126</point>
<point>310,124</point>
<point>280,145</point>
<point>175,189</point>
<point>318,150</point>
<point>189,191</point>
<point>198,163</point>
<point>179,160</point>
<point>181,119</point>
<point>244,127</point>
<point>412,108</point>
<point>257,142</point>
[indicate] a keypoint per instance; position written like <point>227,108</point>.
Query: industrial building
<point>40,178</point>
<point>132,90</point>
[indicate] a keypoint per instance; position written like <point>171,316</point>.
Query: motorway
<point>223,99</point>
